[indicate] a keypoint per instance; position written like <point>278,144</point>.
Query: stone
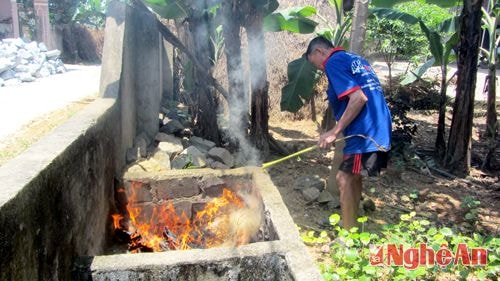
<point>138,192</point>
<point>183,208</point>
<point>325,197</point>
<point>368,205</point>
<point>310,194</point>
<point>32,47</point>
<point>5,64</point>
<point>222,155</point>
<point>8,74</point>
<point>189,156</point>
<point>42,47</point>
<point>310,181</point>
<point>405,198</point>
<point>172,127</point>
<point>53,54</point>
<point>202,144</point>
<point>176,189</point>
<point>334,204</point>
<point>172,148</point>
<point>61,69</point>
<point>43,72</point>
<point>26,77</point>
<point>212,186</point>
<point>218,165</point>
<point>163,159</point>
<point>22,68</point>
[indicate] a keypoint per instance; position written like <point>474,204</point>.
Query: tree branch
<point>172,39</point>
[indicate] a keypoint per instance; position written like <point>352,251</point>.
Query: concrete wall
<point>56,197</point>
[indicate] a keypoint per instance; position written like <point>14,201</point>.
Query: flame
<point>159,227</point>
<point>116,220</point>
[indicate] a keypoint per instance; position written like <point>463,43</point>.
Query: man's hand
<point>326,139</point>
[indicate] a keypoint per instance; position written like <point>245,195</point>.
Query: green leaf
<point>301,79</point>
<point>446,231</point>
<point>351,255</point>
<point>412,76</point>
<point>436,47</point>
<point>293,20</point>
<point>364,237</point>
<point>323,234</point>
<point>392,14</point>
<point>334,219</point>
<point>362,219</point>
<point>440,3</point>
<point>169,9</point>
<point>449,25</point>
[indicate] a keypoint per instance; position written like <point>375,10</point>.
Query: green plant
<point>302,76</point>
<point>471,207</point>
<point>91,13</point>
<point>350,256</point>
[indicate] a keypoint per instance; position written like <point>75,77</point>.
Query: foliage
<point>91,13</point>
<point>350,252</point>
<point>293,20</point>
<point>441,3</point>
<point>302,76</point>
<point>471,207</point>
<point>440,48</point>
<point>62,11</point>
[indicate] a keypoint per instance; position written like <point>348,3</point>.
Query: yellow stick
<point>272,163</point>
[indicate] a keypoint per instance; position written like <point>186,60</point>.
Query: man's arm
<point>356,102</point>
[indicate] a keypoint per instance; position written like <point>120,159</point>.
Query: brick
<point>138,192</point>
<point>212,186</point>
<point>183,206</point>
<point>176,188</point>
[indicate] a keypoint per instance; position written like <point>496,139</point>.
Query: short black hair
<point>319,41</point>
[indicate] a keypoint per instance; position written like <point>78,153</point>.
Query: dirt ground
<point>439,198</point>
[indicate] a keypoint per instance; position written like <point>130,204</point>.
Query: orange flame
<point>159,227</point>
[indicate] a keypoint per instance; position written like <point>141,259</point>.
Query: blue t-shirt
<point>347,73</point>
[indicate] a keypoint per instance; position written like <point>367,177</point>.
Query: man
<point>361,111</point>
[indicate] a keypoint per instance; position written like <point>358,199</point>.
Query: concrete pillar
<point>42,21</point>
<point>15,18</point>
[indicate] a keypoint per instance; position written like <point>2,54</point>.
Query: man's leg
<point>350,186</point>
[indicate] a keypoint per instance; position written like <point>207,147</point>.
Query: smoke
<point>238,104</point>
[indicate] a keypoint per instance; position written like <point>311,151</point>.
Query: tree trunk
<point>458,153</point>
<point>491,119</point>
<point>238,100</point>
<point>259,127</point>
<point>491,113</point>
<point>206,109</point>
<point>440,144</point>
<point>358,29</point>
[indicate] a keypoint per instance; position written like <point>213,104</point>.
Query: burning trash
<point>230,220</point>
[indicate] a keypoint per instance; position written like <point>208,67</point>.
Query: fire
<point>159,227</point>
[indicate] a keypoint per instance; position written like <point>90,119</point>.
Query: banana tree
<point>441,45</point>
<point>302,76</point>
<point>490,22</point>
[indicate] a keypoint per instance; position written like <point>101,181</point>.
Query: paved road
<point>21,104</point>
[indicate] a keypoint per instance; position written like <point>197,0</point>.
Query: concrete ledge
<point>288,251</point>
<point>56,196</point>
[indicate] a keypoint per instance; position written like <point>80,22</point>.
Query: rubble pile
<point>25,62</point>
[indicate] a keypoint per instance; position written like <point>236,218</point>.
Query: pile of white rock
<point>25,62</point>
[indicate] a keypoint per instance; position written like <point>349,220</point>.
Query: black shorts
<point>365,164</point>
